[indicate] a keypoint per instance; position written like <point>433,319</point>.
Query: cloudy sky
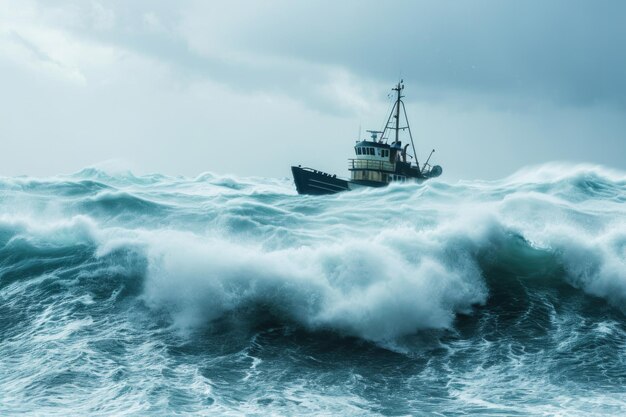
<point>251,87</point>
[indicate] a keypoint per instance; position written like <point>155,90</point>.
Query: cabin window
<point>358,151</point>
<point>372,151</point>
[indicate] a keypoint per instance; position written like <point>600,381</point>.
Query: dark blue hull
<point>310,181</point>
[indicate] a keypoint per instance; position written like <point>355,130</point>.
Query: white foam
<point>401,281</point>
<point>377,265</point>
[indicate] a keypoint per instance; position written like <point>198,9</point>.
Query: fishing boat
<point>377,162</point>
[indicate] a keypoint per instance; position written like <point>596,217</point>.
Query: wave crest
<point>377,264</point>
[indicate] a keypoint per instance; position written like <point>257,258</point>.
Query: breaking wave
<point>411,269</point>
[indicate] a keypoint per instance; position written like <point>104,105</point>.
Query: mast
<point>398,88</point>
<point>396,108</point>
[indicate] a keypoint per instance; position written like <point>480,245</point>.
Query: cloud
<point>283,81</point>
<point>563,51</point>
<point>324,52</point>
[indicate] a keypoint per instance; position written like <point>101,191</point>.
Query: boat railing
<point>371,165</point>
<point>315,171</point>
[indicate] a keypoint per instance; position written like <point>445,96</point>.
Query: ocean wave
<point>159,295</point>
<point>377,264</point>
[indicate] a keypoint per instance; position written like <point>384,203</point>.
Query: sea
<point>156,295</point>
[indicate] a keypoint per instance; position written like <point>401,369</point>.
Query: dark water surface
<point>156,295</point>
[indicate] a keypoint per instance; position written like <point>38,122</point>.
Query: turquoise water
<point>156,295</point>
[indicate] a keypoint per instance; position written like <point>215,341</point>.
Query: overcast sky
<point>251,87</point>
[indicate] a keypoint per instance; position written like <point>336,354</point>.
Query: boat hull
<point>314,182</point>
<point>310,181</point>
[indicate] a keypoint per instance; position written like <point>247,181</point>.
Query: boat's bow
<point>310,181</point>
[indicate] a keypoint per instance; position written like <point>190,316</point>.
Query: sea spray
<point>157,295</point>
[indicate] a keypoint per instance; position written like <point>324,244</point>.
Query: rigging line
<point>388,119</point>
<point>384,128</point>
<point>410,134</point>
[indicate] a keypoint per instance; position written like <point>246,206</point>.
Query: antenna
<point>375,134</point>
